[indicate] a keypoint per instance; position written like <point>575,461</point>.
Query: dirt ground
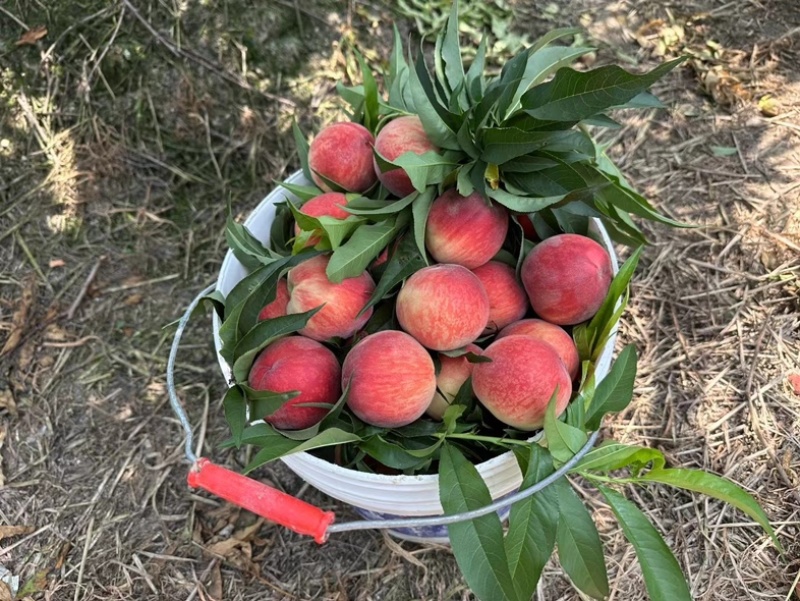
<point>126,128</point>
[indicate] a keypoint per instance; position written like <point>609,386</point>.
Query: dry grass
<point>129,126</point>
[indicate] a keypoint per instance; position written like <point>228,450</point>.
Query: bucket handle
<point>266,501</point>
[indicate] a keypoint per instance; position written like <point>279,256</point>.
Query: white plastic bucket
<point>377,496</point>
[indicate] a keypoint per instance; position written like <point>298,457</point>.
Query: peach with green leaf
<point>342,154</point>
<point>296,363</point>
<point>340,316</point>
<point>400,135</point>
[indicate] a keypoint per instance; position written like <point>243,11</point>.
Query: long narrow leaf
<point>577,95</point>
<point>663,577</point>
<point>580,550</point>
<point>477,544</point>
<point>714,486</point>
<point>533,524</point>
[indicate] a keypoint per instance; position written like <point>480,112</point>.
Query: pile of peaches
<point>464,315</point>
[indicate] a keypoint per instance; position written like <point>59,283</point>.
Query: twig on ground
<point>85,288</point>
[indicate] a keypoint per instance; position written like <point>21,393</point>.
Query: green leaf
<point>304,193</point>
<point>235,408</point>
<point>663,577</point>
<point>354,96</point>
<point>579,548</point>
<point>562,439</point>
<point>553,35</point>
<point>532,525</point>
<point>246,247</point>
<point>419,211</point>
<point>502,144</point>
<point>451,51</point>
<point>475,77</point>
<point>477,544</point>
<point>248,297</point>
<point>430,112</point>
<point>600,326</point>
<point>528,164</point>
<point>723,151</point>
<point>330,419</point>
<point>337,230</point>
<point>511,78</point>
<point>615,391</point>
<point>301,143</point>
<point>398,74</point>
<point>371,108</point>
<point>644,100</point>
<point>717,487</point>
<point>354,256</point>
<point>463,182</point>
<point>403,262</point>
<point>523,204</point>
<point>284,446</point>
<point>613,455</point>
<point>262,335</point>
<point>264,403</point>
<point>542,63</point>
<point>573,95</point>
<point>625,199</point>
<point>466,141</point>
<point>601,120</point>
<point>424,169</point>
<point>393,455</point>
<point>377,208</point>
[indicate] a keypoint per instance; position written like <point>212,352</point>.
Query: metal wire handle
<point>177,407</point>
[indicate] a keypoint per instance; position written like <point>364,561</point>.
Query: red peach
<point>465,230</point>
<point>401,135</point>
<point>553,335</point>
<point>453,372</point>
<point>391,377</point>
<point>443,306</point>
<point>567,277</point>
<point>309,287</point>
<point>507,299</point>
<point>527,226</point>
<point>277,308</point>
<point>301,364</point>
<point>329,204</point>
<point>342,154</point>
<point>517,385</point>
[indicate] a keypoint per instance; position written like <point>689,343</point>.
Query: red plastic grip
<point>272,504</point>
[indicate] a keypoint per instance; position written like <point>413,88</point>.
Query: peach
<point>453,373</point>
<point>567,277</point>
<point>301,364</point>
<point>527,226</point>
<point>465,230</point>
<point>507,300</point>
<point>391,377</point>
<point>517,385</point>
<point>342,154</point>
<point>329,204</point>
<point>401,135</point>
<point>553,335</point>
<point>443,306</point>
<point>277,308</point>
<point>309,288</point>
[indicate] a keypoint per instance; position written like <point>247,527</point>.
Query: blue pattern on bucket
<point>432,533</point>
